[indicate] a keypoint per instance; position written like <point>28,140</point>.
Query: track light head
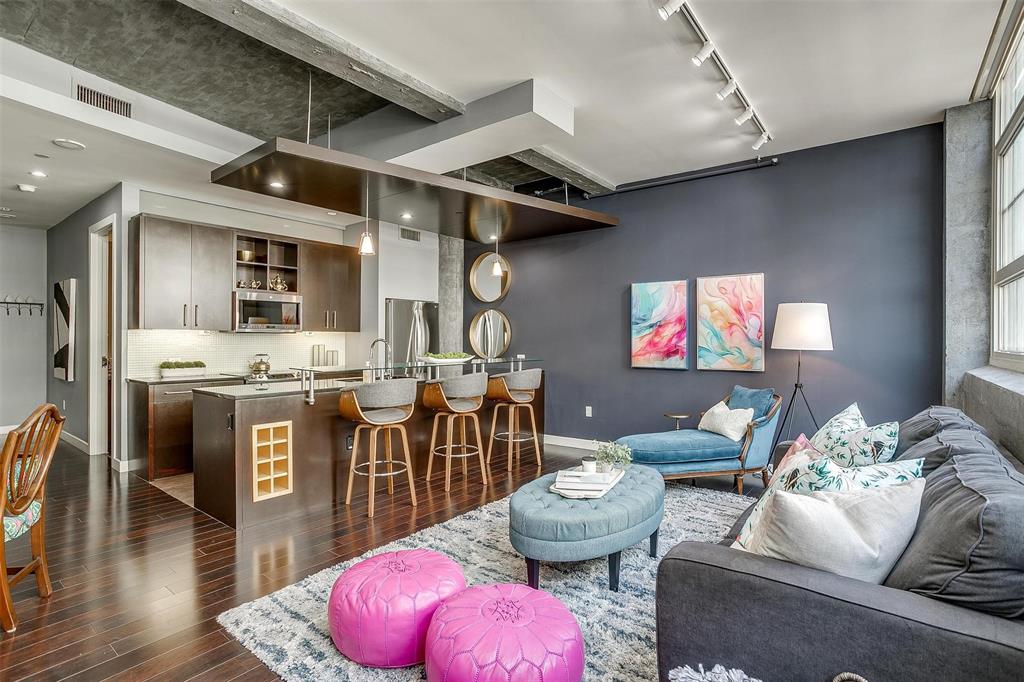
<point>747,114</point>
<point>669,8</point>
<point>761,141</point>
<point>727,89</point>
<point>703,54</point>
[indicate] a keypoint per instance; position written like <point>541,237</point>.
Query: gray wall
<point>67,255</point>
<point>857,225</point>
<point>967,146</point>
<point>22,367</point>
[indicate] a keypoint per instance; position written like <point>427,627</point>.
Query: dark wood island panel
<point>320,451</point>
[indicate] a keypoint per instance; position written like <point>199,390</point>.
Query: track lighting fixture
<point>745,116</point>
<point>760,141</point>
<point>669,8</point>
<point>727,89</point>
<point>703,54</point>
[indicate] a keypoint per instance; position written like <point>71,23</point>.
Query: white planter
<point>182,372</point>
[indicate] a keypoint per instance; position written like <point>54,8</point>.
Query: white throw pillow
<point>858,533</point>
<point>730,423</point>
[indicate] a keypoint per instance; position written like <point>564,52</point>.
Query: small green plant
<point>448,356</point>
<point>178,364</point>
<point>614,454</point>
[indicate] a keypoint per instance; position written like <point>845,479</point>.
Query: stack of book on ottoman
<point>579,485</point>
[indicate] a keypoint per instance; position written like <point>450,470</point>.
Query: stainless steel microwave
<point>265,311</point>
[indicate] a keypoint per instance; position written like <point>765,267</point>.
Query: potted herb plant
<point>177,369</point>
<point>613,456</point>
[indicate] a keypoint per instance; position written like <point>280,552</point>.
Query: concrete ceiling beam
<point>564,169</point>
<point>477,175</point>
<point>285,30</point>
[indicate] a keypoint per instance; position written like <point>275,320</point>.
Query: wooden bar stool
<point>514,391</point>
<point>456,399</point>
<point>379,406</point>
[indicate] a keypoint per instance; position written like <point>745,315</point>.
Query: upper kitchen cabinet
<point>329,283</point>
<point>182,275</point>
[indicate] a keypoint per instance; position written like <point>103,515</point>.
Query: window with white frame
<point>1008,231</point>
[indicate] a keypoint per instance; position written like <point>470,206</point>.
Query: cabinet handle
<point>177,392</point>
<point>327,319</point>
<point>184,315</point>
<point>335,324</point>
<point>195,316</point>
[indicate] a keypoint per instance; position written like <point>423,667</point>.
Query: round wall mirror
<point>487,286</point>
<point>490,333</point>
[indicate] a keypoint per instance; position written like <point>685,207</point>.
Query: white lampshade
<point>802,326</point>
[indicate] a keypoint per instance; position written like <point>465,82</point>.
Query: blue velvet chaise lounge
<point>690,453</point>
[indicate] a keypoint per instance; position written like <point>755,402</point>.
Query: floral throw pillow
<point>847,439</point>
<point>824,474</point>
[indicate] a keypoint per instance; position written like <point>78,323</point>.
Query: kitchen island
<point>262,453</point>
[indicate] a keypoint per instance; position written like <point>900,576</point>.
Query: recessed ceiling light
<point>26,188</point>
<point>407,216</point>
<point>277,185</point>
<point>41,156</point>
<point>5,209</point>
<point>37,174</point>
<point>332,213</point>
<point>67,143</point>
<point>8,215</point>
<point>493,237</point>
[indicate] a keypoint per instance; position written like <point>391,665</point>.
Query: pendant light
<point>496,268</point>
<point>366,239</point>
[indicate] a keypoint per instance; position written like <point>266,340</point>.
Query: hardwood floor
<point>139,577</point>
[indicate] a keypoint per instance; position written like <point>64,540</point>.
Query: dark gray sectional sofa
<point>952,608</point>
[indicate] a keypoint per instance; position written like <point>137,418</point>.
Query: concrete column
<point>451,284</point>
<point>967,305</point>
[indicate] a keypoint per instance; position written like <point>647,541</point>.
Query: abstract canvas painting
<point>658,324</point>
<point>730,322</point>
<point>64,329</point>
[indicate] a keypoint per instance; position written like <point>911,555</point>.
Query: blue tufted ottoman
<point>544,526</point>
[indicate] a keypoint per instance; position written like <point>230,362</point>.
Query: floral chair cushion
<point>848,440</point>
<point>19,525</point>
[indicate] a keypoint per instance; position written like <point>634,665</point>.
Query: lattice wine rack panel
<point>271,460</point>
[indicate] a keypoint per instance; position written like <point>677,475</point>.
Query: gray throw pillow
<point>949,443</point>
<point>968,548</point>
<point>927,423</point>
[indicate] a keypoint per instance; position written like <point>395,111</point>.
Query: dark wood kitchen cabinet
<point>160,426</point>
<point>182,275</point>
<point>329,283</point>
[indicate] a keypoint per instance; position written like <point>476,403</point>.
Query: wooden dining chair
<point>24,463</point>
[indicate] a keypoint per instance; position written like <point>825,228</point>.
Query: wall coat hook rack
<point>20,306</point>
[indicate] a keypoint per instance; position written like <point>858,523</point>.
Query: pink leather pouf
<point>379,609</point>
<point>506,632</point>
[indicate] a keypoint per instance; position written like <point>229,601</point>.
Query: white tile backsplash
<point>223,352</point>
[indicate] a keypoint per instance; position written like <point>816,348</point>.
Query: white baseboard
<point>74,441</point>
<point>120,465</point>
<point>570,442</point>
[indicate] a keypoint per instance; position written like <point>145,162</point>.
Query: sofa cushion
<point>848,439</point>
<point>730,423</point>
<point>937,449</point>
<point>757,399</point>
<point>857,533</point>
<point>927,423</point>
<point>968,548</point>
<point>684,445</point>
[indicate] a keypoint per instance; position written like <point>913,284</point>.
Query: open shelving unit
<point>270,258</point>
<point>271,460</point>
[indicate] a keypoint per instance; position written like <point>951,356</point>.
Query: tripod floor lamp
<point>800,327</point>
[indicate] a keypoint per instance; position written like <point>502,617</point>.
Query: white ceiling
<point>817,71</point>
<point>77,177</point>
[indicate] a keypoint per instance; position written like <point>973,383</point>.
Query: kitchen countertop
<point>206,378</point>
<point>274,389</point>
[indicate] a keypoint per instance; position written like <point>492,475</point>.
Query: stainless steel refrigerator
<point>410,328</point>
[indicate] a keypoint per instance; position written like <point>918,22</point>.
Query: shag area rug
<point>287,630</point>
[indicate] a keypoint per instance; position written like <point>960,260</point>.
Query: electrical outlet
<point>348,443</point>
<point>589,411</point>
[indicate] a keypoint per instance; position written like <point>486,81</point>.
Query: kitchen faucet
<point>385,371</point>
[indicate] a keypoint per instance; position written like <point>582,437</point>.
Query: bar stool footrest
<point>397,468</point>
<point>471,450</point>
<point>520,436</point>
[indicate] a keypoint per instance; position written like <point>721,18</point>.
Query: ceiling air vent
<point>104,101</point>
<point>408,235</point>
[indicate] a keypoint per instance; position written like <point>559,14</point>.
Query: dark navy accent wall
<point>856,225</point>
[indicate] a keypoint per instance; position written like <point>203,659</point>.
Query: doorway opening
<point>101,337</point>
